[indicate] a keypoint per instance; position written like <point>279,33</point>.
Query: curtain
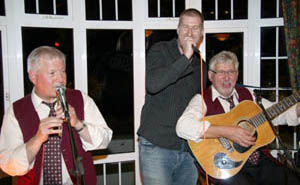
<point>291,15</point>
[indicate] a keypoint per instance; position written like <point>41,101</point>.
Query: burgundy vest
<point>215,107</point>
<point>28,118</point>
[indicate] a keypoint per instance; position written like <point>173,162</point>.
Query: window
<point>108,10</point>
<point>274,65</point>
<point>51,7</point>
<point>153,36</point>
<point>165,8</point>
<point>271,8</point>
<point>2,8</point>
<point>110,83</point>
<point>112,172</point>
<point>225,9</point>
<point>240,9</point>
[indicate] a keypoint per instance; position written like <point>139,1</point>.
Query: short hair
<point>226,57</point>
<point>192,12</point>
<point>43,52</point>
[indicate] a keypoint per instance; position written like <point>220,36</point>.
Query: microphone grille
<point>60,87</point>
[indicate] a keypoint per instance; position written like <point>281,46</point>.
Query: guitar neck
<point>276,109</point>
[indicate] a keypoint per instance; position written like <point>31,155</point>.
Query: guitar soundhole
<point>246,125</point>
<point>240,148</point>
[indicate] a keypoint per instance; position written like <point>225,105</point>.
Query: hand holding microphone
<point>196,50</point>
<point>189,48</point>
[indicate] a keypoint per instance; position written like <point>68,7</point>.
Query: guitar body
<point>221,162</point>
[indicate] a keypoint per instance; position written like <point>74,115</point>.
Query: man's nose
<point>226,76</point>
<point>189,32</point>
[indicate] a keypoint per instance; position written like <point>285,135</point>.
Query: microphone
<point>196,50</point>
<point>62,97</point>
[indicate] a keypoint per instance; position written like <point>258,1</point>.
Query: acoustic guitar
<point>220,157</point>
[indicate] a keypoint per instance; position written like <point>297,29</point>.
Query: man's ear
<point>32,76</point>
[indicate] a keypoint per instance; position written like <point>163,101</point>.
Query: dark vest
<point>215,107</point>
<point>28,118</point>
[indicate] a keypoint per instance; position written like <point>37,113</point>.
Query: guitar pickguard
<point>240,149</point>
<point>222,161</point>
<point>248,126</point>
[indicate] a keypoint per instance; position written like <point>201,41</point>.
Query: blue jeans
<point>160,166</point>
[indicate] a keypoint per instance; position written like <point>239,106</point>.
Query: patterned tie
<point>52,174</point>
<point>230,101</point>
<point>253,158</point>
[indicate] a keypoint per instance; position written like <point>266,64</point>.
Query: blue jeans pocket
<point>144,144</point>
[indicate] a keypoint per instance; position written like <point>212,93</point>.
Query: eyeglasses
<point>186,28</point>
<point>223,73</point>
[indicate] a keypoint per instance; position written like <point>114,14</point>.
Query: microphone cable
<point>202,108</point>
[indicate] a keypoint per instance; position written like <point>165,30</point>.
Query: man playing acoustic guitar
<point>231,150</point>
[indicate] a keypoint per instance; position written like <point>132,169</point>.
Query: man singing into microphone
<point>31,143</point>
<point>173,77</point>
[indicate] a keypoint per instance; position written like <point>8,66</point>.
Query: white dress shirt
<point>190,125</point>
<point>13,156</point>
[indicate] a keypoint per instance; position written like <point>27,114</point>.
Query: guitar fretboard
<point>276,109</point>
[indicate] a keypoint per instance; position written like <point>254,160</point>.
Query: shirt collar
<point>216,94</point>
<point>36,100</point>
